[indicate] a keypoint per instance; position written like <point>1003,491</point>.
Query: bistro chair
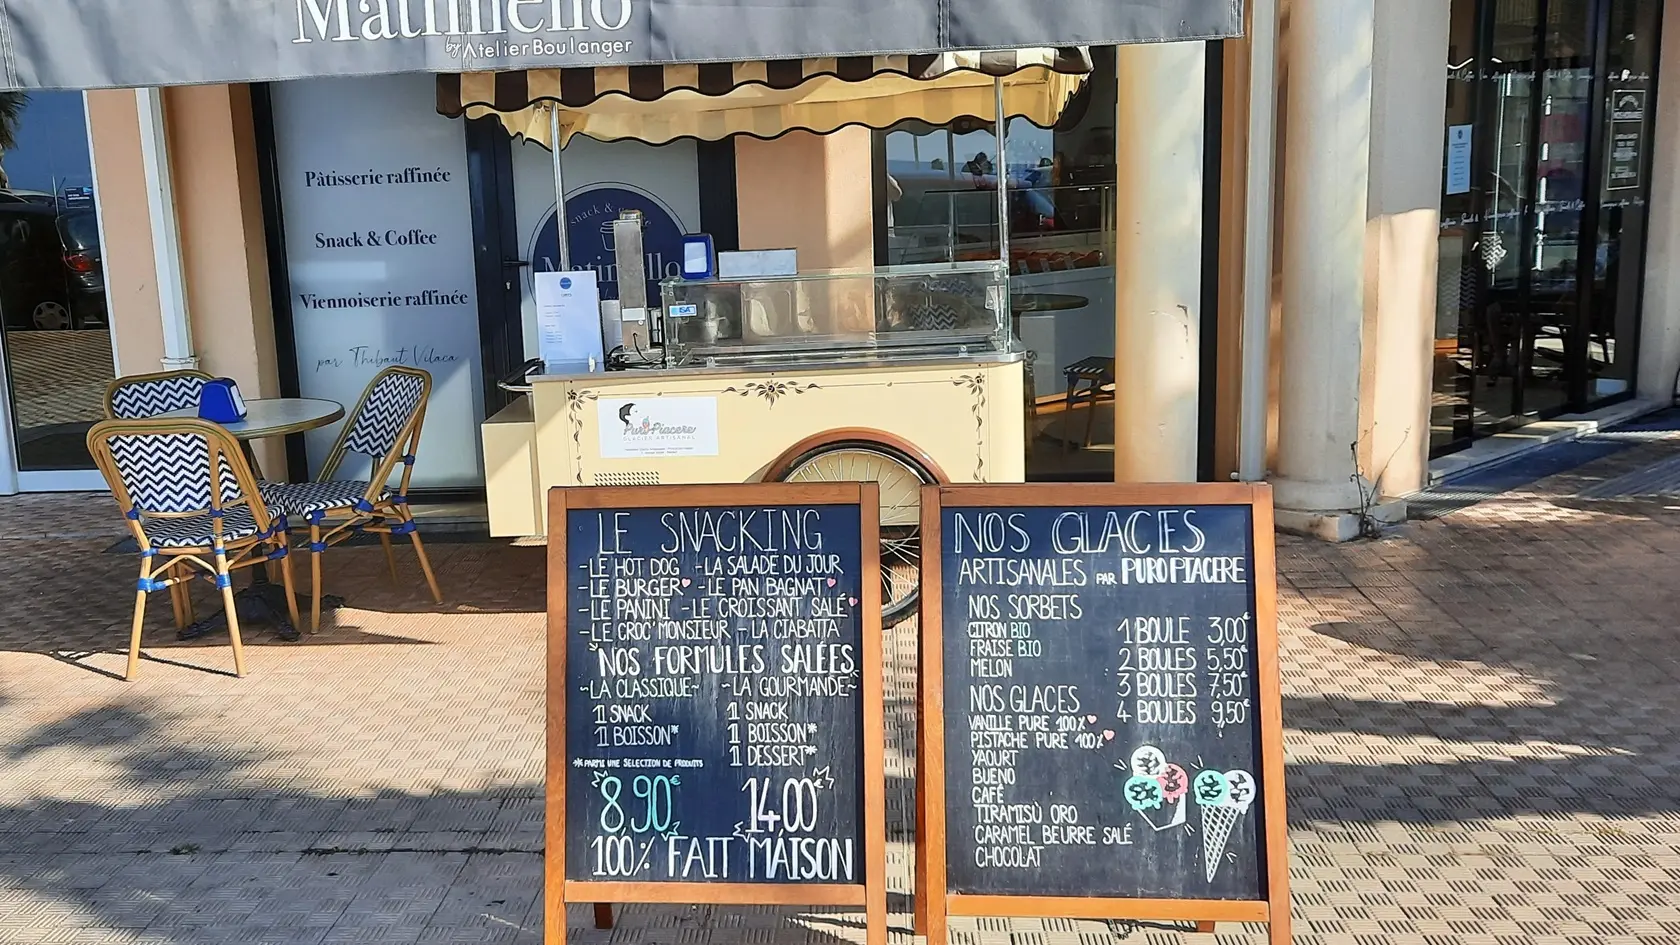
<point>1097,374</point>
<point>193,504</point>
<point>147,395</point>
<point>384,428</point>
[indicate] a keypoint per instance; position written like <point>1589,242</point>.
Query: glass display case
<point>907,313</point>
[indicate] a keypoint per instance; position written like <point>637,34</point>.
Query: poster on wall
<point>1459,138</point>
<point>378,230</point>
<point>603,179</point>
<point>1624,168</point>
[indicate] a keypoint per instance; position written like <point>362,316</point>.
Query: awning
<point>80,44</point>
<point>658,104</point>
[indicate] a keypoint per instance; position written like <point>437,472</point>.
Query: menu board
<point>714,694</point>
<point>1101,733</point>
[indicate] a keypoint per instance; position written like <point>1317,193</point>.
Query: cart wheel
<point>900,478</point>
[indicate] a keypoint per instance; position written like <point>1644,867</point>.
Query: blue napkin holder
<point>220,402</point>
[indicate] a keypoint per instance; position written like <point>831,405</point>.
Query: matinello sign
<point>351,20</point>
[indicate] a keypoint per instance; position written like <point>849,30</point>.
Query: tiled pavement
<point>1483,727</point>
<point>59,376</point>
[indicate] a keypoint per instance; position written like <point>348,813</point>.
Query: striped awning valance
<point>768,99</point>
<point>578,88</point>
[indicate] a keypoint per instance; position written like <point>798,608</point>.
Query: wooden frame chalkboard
<point>871,892</point>
<point>935,901</point>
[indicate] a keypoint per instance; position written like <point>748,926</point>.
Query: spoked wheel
<point>900,478</point>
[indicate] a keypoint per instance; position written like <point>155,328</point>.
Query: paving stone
<point>1482,727</point>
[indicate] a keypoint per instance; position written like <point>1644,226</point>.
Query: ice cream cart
<point>901,375</point>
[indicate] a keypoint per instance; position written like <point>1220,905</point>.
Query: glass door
<point>57,344</point>
<point>1619,217</point>
<point>1542,318</point>
<point>1543,198</point>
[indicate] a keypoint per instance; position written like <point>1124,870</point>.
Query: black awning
<point>80,44</point>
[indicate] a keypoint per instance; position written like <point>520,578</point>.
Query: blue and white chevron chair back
<point>393,398</point>
<point>147,395</point>
<point>169,473</point>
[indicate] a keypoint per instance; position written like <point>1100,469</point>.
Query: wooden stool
<point>1098,375</point>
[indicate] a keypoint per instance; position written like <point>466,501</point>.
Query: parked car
<point>51,272</point>
<point>79,231</point>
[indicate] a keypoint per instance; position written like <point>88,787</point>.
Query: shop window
<point>1549,113</point>
<point>936,193</point>
<point>52,284</point>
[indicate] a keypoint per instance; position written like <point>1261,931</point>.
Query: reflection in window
<point>1543,210</point>
<point>52,279</point>
<point>939,190</point>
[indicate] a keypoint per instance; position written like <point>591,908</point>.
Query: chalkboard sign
<point>715,687</point>
<point>1106,728</point>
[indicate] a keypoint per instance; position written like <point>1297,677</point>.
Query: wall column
<point>1159,135</point>
<point>813,193</point>
<point>1326,173</point>
<point>223,246</point>
<point>1659,332</point>
<point>166,232</point>
<point>1403,233</point>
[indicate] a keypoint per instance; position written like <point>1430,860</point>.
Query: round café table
<point>1032,303</point>
<point>273,416</point>
<point>1037,303</point>
<point>266,417</point>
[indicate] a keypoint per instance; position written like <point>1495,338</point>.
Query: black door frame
<point>1577,353</point>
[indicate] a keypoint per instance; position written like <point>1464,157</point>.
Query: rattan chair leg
<point>180,608</point>
<point>139,619</point>
<point>420,552</point>
<point>225,579</point>
<point>390,556</point>
<point>286,580</point>
<point>315,579</point>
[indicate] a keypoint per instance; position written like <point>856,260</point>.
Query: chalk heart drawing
<point>687,581</point>
<point>1108,735</point>
<point>1090,720</point>
<point>852,601</point>
<point>832,582</point>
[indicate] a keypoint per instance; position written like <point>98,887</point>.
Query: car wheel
<point>51,316</point>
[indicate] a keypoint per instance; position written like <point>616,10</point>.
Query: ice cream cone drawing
<point>1224,798</point>
<point>1156,786</point>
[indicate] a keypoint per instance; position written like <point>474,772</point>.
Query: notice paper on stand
<point>568,317</point>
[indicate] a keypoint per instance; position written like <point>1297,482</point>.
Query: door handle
<point>511,264</point>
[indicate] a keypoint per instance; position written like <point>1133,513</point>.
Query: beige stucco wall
<point>1403,212</point>
<point>1407,45</point>
<point>219,205</point>
<point>813,193</point>
<point>1160,134</point>
<point>212,145</point>
<point>130,276</point>
<point>1659,342</point>
<point>220,209</point>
